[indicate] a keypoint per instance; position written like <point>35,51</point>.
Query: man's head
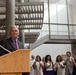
<point>68,54</point>
<point>14,31</point>
<point>32,57</point>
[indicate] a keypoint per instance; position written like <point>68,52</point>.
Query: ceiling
<point>72,2</point>
<point>26,16</point>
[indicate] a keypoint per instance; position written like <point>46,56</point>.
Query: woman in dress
<point>59,67</point>
<point>49,65</point>
<point>38,66</point>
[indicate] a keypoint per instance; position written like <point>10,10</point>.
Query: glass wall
<point>60,15</point>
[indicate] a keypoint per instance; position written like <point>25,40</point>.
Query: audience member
<point>59,66</point>
<point>32,71</point>
<point>49,65</point>
<point>38,66</point>
<point>68,62</point>
<point>74,65</point>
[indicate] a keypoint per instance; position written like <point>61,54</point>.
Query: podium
<point>15,63</point>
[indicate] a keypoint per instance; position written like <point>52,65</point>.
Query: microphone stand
<point>5,49</point>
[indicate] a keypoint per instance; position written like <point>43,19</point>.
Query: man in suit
<point>12,43</point>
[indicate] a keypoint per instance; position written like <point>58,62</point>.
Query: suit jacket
<point>8,44</point>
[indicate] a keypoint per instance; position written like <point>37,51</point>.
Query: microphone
<point>5,49</point>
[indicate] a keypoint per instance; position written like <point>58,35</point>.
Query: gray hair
<point>13,26</point>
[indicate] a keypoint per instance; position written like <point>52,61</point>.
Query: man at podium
<point>12,43</point>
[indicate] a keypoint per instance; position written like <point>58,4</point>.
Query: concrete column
<point>10,15</point>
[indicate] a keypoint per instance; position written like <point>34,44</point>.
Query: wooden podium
<point>15,63</point>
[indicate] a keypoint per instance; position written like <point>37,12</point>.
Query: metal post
<point>49,19</point>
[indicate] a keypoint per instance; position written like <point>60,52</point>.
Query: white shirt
<point>49,64</point>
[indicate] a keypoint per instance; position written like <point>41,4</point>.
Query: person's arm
<point>62,64</point>
<point>52,65</point>
<point>55,66</point>
<point>65,61</point>
<point>74,63</point>
<point>34,65</point>
<point>41,64</point>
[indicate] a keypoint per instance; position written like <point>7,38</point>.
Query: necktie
<point>16,45</point>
